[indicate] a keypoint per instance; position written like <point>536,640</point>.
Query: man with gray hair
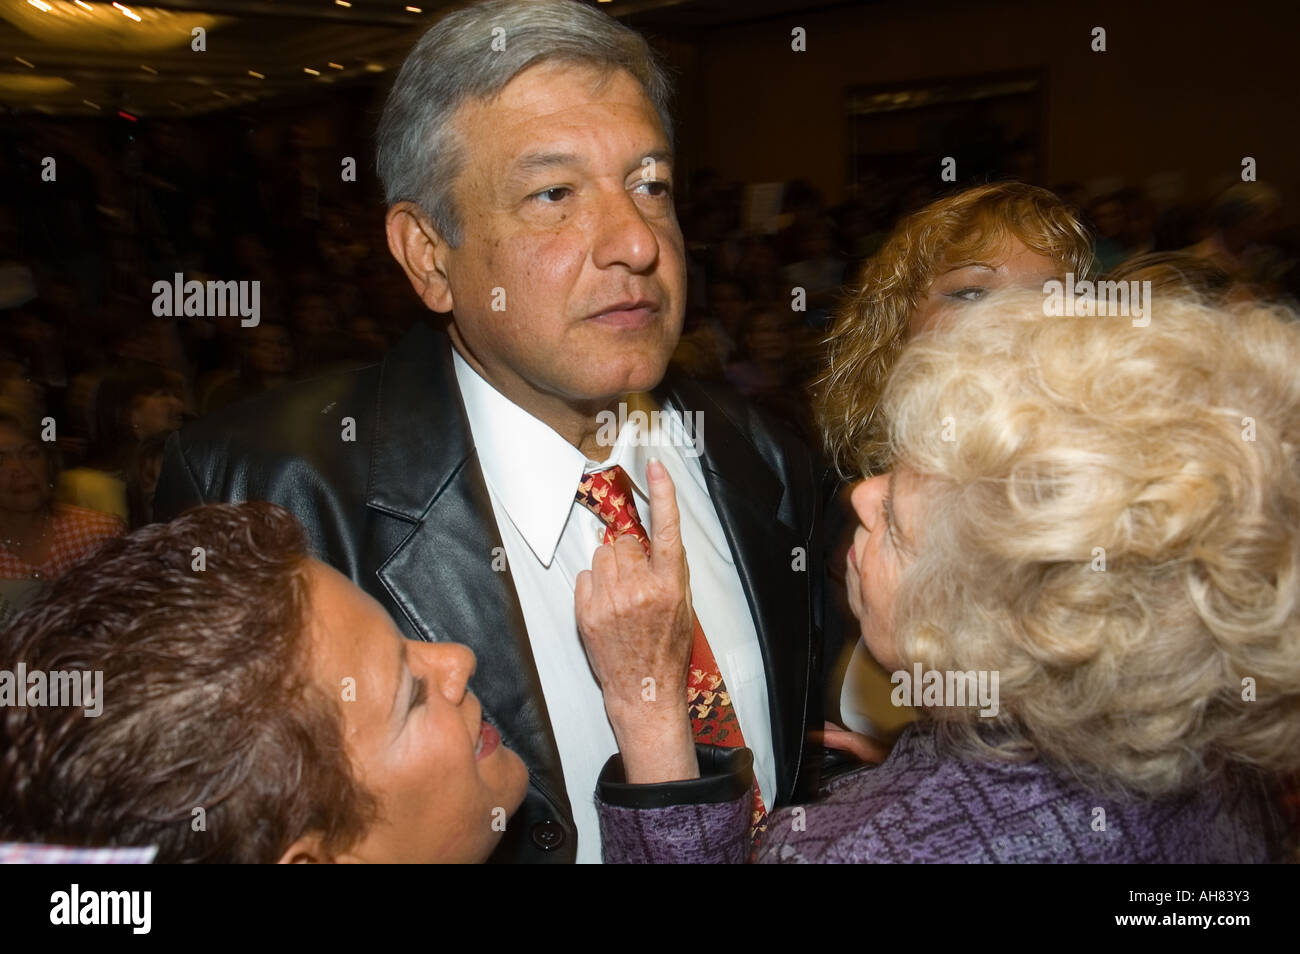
<point>470,479</point>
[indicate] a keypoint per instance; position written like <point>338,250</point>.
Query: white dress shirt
<point>532,475</point>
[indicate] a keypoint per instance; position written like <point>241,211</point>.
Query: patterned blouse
<point>923,805</point>
<point>74,532</point>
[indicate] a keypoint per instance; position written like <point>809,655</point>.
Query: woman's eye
<point>973,293</point>
<point>552,195</point>
<point>421,693</point>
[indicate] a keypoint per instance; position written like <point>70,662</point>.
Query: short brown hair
<point>870,327</point>
<point>207,700</point>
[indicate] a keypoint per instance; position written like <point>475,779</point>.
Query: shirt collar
<point>533,471</point>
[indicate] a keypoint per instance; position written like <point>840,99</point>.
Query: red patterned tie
<point>608,494</point>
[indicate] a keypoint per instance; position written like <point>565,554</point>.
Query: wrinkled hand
<point>634,616</point>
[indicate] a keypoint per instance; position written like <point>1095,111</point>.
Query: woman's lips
<point>488,741</point>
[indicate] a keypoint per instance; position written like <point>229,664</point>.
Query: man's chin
<point>630,378</point>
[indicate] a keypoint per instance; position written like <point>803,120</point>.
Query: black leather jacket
<point>403,510</point>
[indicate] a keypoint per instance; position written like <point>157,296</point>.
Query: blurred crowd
<point>92,382</point>
<point>743,322</point>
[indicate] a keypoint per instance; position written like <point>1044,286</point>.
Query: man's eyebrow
<point>532,162</point>
<point>658,155</point>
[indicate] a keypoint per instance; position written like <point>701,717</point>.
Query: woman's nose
<point>453,665</point>
<point>865,497</point>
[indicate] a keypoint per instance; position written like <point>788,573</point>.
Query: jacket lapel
<point>747,495</point>
<point>424,471</point>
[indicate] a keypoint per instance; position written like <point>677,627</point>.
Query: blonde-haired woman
<point>1104,517</point>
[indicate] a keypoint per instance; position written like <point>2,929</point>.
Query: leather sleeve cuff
<point>725,774</point>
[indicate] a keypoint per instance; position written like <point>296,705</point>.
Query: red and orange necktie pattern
<point>608,494</point>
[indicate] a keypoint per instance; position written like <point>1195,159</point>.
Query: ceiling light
<point>101,26</point>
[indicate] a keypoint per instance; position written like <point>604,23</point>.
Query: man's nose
<point>623,237</point>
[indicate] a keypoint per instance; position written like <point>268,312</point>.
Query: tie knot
<point>608,494</point>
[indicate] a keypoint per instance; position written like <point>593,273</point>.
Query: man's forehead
<point>547,96</point>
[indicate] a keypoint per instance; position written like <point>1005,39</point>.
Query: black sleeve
<point>725,774</point>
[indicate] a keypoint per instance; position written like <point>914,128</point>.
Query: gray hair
<point>417,155</point>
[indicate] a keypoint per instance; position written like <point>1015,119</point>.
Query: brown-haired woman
<point>265,709</point>
<point>953,252</point>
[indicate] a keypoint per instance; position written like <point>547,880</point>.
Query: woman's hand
<point>862,747</point>
<point>636,622</point>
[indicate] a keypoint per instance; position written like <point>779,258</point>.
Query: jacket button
<point>547,835</point>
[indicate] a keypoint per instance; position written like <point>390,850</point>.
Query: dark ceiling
<point>91,57</point>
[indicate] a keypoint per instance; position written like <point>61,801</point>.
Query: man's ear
<point>307,850</point>
<point>421,251</point>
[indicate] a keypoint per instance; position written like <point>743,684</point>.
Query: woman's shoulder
<point>86,488</point>
<point>916,806</point>
<point>927,805</point>
<point>86,521</point>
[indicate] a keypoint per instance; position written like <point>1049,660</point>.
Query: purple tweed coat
<point>922,805</point>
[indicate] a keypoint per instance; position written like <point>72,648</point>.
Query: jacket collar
<point>747,495</point>
<point>448,575</point>
<point>422,436</point>
<point>727,457</point>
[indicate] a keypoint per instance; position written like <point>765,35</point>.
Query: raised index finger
<point>666,544</point>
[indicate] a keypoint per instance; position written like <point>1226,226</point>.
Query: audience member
<point>39,539</point>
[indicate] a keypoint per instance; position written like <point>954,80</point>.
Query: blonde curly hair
<point>1114,526</point>
<point>871,323</point>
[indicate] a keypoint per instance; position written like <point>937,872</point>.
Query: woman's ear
<point>307,850</point>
